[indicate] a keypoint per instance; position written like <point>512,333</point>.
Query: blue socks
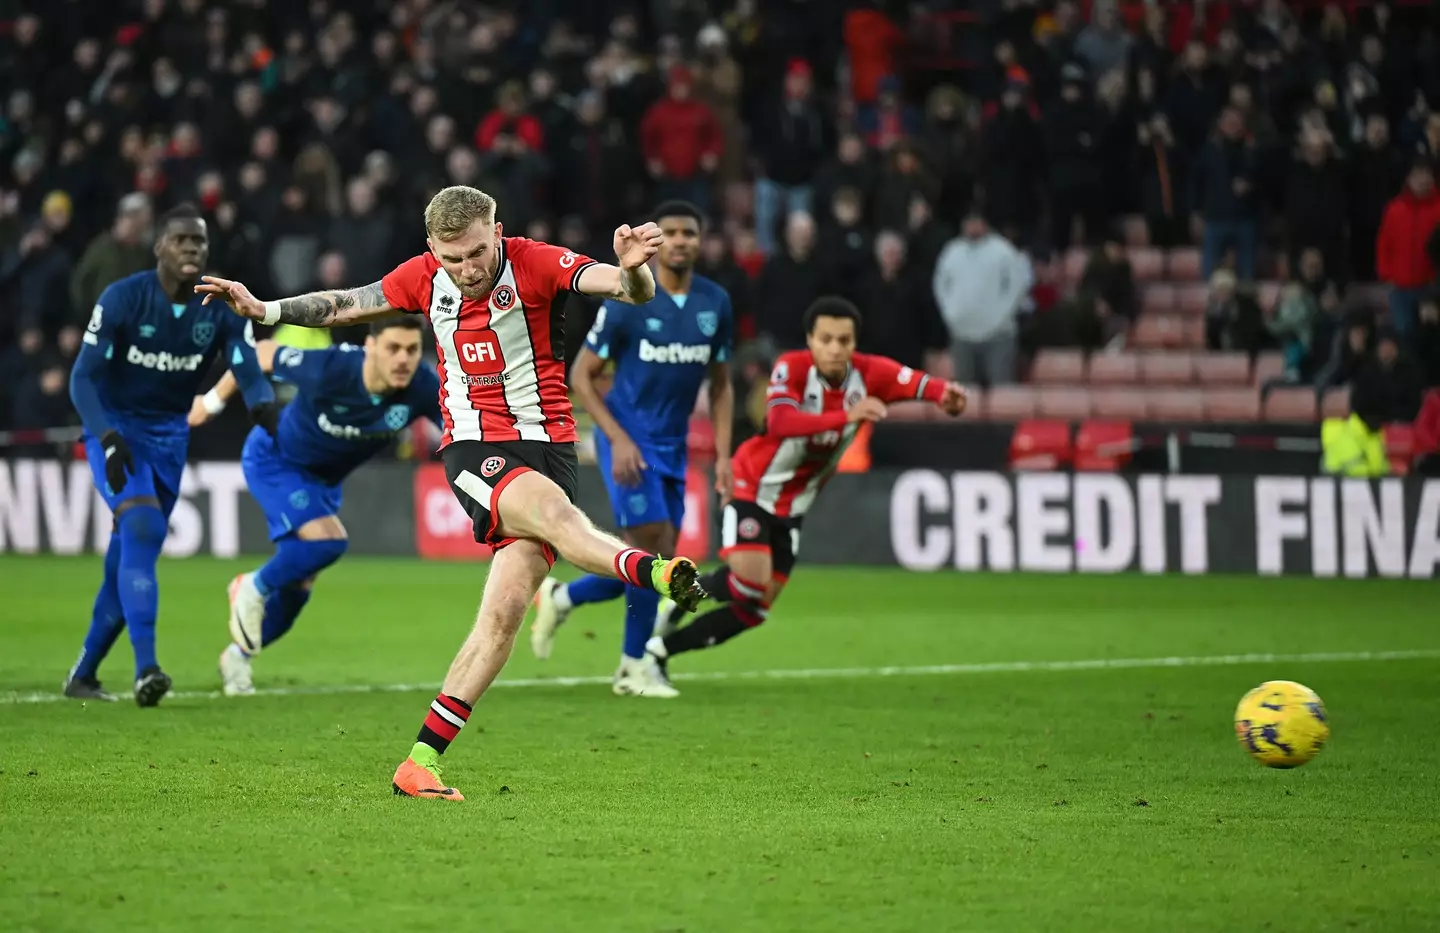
<point>282,608</point>
<point>640,607</point>
<point>142,535</point>
<point>296,560</point>
<point>107,619</point>
<point>593,589</point>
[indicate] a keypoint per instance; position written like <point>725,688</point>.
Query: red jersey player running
<point>817,399</point>
<point>496,304</point>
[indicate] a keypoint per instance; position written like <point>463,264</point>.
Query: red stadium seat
<point>1070,402</point>
<point>1184,405</point>
<point>1147,264</point>
<point>1114,368</point>
<point>1158,331</point>
<point>1190,298</point>
<point>910,411</point>
<point>1291,404</point>
<point>1268,365</point>
<point>1128,403</point>
<point>1218,369</point>
<point>1239,404</point>
<point>1400,447</point>
<point>1010,403</point>
<point>1040,444</point>
<point>1103,446</point>
<point>1336,403</point>
<point>1192,333</point>
<point>1176,368</point>
<point>1183,265</point>
<point>1065,367</point>
<point>1157,298</point>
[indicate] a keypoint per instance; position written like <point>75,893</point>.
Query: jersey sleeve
<point>724,341</point>
<point>407,286</point>
<point>254,387</point>
<point>545,268</point>
<point>889,381</point>
<point>304,369</point>
<point>110,309</point>
<point>787,383</point>
<point>607,337</point>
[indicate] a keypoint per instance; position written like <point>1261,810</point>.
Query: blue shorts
<point>659,496</point>
<point>287,495</point>
<point>157,473</point>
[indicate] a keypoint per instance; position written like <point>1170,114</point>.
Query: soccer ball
<point>1281,724</point>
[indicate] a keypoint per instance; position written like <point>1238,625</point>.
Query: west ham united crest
<point>709,322</point>
<point>397,416</point>
<point>202,333</point>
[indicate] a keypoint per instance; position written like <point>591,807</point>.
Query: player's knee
<point>751,612</point>
<point>144,524</point>
<point>773,588</point>
<point>329,550</point>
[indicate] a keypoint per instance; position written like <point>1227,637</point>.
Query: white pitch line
<point>988,667</point>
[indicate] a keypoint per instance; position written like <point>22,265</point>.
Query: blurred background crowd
<point>975,175</point>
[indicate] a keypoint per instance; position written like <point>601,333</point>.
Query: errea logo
<point>674,352</point>
<point>164,362</point>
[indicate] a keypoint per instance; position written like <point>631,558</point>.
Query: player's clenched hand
<point>635,245</point>
<point>118,460</point>
<point>233,293</point>
<point>626,461</point>
<point>954,399</point>
<point>868,408</point>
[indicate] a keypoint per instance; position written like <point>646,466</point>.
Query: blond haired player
<point>496,305</point>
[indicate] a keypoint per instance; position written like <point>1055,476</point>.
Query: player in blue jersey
<point>663,351</point>
<point>149,345</point>
<point>349,406</point>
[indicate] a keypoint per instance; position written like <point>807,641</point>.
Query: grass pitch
<point>1018,793</point>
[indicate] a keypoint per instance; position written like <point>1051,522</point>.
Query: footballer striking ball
<point>1281,724</point>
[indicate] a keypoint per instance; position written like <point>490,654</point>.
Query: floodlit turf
<point>1055,800</point>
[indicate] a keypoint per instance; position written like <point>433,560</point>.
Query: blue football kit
<point>333,426</point>
<point>662,352</point>
<point>142,360</point>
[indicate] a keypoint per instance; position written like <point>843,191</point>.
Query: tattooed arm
<point>317,309</point>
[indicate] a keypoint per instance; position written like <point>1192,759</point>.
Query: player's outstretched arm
<point>210,404</point>
<point>317,309</point>
<point>631,281</point>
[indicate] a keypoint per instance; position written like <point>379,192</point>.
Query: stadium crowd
<point>1284,140</point>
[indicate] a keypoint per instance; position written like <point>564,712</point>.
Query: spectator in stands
<point>1400,253</point>
<point>794,136</point>
<point>1194,97</point>
<point>1104,45</point>
<point>43,399</point>
<point>789,282</point>
<point>122,250</point>
<point>890,120</point>
<point>35,273</point>
<point>901,320</point>
<point>1223,183</point>
<point>844,243</point>
<point>363,234</point>
<point>1427,338</point>
<point>1292,324</point>
<point>927,235</point>
<point>904,176</point>
<point>1012,164</point>
<point>1377,170</point>
<point>1388,385</point>
<point>1109,277</point>
<point>1352,346</point>
<point>950,138</point>
<point>1072,146</point>
<point>1233,321</point>
<point>1315,203</point>
<point>980,281</point>
<point>1162,169</point>
<point>681,139</point>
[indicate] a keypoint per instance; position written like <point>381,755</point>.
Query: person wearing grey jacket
<point>980,282</point>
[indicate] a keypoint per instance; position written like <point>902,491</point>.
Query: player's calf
<point>747,607</point>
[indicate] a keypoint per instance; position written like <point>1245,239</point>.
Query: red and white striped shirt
<point>502,357</point>
<point>806,430</point>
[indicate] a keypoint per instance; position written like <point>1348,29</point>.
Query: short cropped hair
<point>451,212</point>
<point>406,321</point>
<point>831,306</point>
<point>183,211</point>
<point>678,208</point>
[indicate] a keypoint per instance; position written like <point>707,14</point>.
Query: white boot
<point>641,677</point>
<point>247,613</point>
<point>235,672</point>
<point>550,614</point>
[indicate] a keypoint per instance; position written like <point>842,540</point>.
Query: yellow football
<point>1281,724</point>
